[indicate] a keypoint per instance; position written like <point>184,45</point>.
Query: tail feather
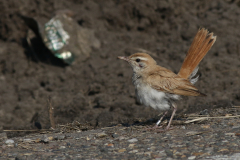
<point>193,78</point>
<point>201,44</point>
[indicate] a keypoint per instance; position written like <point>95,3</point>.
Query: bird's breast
<point>149,96</point>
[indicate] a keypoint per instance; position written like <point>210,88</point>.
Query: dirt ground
<point>99,91</point>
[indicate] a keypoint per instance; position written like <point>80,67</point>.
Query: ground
<point>99,92</point>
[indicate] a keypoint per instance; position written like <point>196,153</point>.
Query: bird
<point>159,87</point>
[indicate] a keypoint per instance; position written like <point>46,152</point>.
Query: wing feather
<point>166,81</point>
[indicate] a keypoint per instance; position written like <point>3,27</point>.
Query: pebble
<point>234,127</point>
<point>183,127</point>
<point>133,151</point>
<point>45,139</point>
<point>132,140</point>
<point>131,145</point>
<point>192,157</point>
<point>229,134</point>
<point>62,147</point>
<point>9,141</point>
<point>61,137</point>
<point>115,135</point>
<point>121,150</point>
<point>27,140</point>
<point>101,135</point>
<point>204,112</point>
<point>205,126</point>
<point>121,138</point>
<point>191,133</point>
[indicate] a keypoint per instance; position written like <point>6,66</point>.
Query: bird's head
<point>139,61</point>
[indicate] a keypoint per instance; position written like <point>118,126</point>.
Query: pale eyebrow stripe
<point>142,58</point>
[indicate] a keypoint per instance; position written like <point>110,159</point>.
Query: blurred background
<point>97,89</point>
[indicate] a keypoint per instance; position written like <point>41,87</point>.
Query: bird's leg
<point>160,120</point>
<point>169,123</point>
<point>173,113</point>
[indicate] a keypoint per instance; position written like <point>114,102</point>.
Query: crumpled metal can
<point>55,38</point>
<point>64,37</point>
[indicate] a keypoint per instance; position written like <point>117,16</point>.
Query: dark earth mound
<point>99,91</point>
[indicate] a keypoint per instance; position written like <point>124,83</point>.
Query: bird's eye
<point>138,60</point>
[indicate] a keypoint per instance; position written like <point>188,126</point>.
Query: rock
<point>121,138</point>
<point>230,134</point>
<point>62,147</point>
<point>205,126</point>
<point>132,140</point>
<point>131,145</point>
<point>9,141</point>
<point>204,112</point>
<point>27,140</point>
<point>115,135</point>
<point>192,157</point>
<point>101,135</point>
<point>121,150</point>
<point>110,145</point>
<point>45,139</point>
<point>61,137</point>
<point>191,133</point>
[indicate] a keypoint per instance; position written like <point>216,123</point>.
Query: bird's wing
<point>166,81</point>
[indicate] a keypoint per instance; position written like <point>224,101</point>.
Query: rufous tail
<point>201,44</point>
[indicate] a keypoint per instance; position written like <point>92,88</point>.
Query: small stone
<point>15,145</point>
<point>61,137</point>
<point>169,153</point>
<point>235,127</point>
<point>110,145</point>
<point>230,134</point>
<point>204,112</point>
<point>9,141</point>
<point>37,140</point>
<point>191,133</point>
<point>62,147</point>
<point>237,134</point>
<point>121,150</point>
<point>162,153</point>
<point>133,151</point>
<point>27,154</point>
<point>101,135</point>
<point>132,140</point>
<point>183,156</point>
<point>209,149</point>
<point>121,138</point>
<point>115,135</point>
<point>205,126</point>
<point>192,157</point>
<point>50,138</point>
<point>131,145</point>
<point>183,127</point>
<point>27,140</point>
<point>45,139</point>
<point>223,150</point>
<point>148,153</point>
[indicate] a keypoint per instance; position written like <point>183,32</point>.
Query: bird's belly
<point>151,97</point>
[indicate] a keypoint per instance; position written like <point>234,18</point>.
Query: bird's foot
<point>153,128</point>
<point>159,129</point>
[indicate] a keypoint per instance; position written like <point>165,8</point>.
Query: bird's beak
<point>124,58</point>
